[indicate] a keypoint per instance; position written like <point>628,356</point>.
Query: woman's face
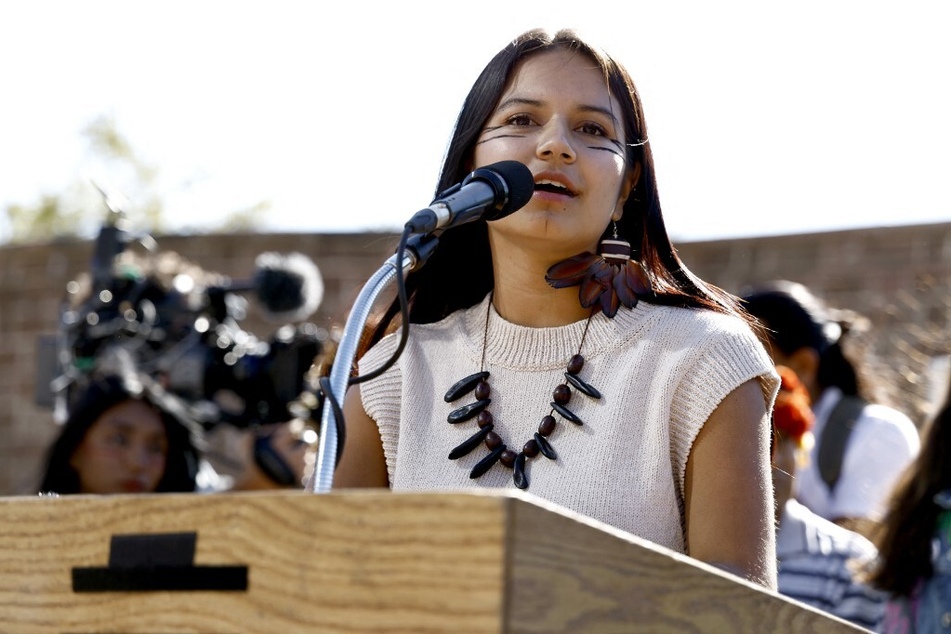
<point>558,117</point>
<point>123,452</point>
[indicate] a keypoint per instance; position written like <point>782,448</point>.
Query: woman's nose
<point>555,142</point>
<point>138,458</point>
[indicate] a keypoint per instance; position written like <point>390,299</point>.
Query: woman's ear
<point>634,176</point>
<point>628,186</point>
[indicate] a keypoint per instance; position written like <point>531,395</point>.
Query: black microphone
<point>490,192</point>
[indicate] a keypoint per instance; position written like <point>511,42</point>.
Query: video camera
<point>176,328</point>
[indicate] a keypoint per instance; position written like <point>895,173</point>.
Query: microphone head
<point>289,286</point>
<point>514,185</point>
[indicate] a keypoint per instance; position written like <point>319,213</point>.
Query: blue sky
<point>764,118</point>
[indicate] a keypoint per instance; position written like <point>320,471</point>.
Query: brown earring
<point>614,249</point>
<point>610,279</point>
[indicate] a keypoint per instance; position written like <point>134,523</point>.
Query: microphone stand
<point>417,251</point>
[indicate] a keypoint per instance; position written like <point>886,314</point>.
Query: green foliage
<point>43,221</point>
<point>80,208</point>
<point>245,220</point>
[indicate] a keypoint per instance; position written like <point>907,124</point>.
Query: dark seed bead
<point>520,477</point>
<point>575,364</point>
<point>482,390</point>
<point>566,413</point>
<point>486,463</point>
<point>485,418</point>
<point>547,426</point>
<point>469,444</point>
<point>463,386</point>
<point>581,386</point>
<point>562,394</point>
<point>493,440</point>
<point>545,447</point>
<point>508,458</point>
<point>530,449</point>
<point>464,413</point>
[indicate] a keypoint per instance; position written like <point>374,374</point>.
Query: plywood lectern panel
<point>571,574</point>
<point>356,561</point>
<point>329,563</point>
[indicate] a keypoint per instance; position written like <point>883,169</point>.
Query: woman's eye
<point>119,440</point>
<point>593,129</point>
<point>519,120</point>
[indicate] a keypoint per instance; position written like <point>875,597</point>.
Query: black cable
<point>404,337</point>
<point>324,383</point>
<point>404,314</point>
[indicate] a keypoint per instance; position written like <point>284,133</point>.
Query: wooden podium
<point>356,561</point>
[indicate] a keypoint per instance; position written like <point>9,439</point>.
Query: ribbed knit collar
<point>523,347</point>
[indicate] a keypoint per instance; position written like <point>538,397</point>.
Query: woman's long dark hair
<point>794,318</point>
<point>102,394</point>
<point>439,288</point>
<point>904,540</point>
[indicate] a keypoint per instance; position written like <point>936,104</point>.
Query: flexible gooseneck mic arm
<point>489,193</point>
<point>418,250</point>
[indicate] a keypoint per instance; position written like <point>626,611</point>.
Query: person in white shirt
<point>861,447</point>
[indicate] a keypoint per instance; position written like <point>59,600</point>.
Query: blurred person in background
<point>915,538</point>
<point>269,457</point>
<point>117,441</point>
<point>819,562</point>
<point>861,447</point>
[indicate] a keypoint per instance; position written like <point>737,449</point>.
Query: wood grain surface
<point>361,561</point>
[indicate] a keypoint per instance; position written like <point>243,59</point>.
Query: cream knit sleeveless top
<point>661,371</point>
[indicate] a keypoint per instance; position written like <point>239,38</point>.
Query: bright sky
<point>764,117</point>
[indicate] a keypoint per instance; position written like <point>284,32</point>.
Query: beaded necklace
<point>498,450</point>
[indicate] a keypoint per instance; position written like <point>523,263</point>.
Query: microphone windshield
<point>517,182</point>
<point>289,286</point>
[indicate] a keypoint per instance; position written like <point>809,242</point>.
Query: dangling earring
<point>615,250</point>
<point>611,278</point>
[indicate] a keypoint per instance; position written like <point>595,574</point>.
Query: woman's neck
<point>522,296</point>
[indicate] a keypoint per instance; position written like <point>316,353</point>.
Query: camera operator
<point>271,457</point>
<point>169,325</point>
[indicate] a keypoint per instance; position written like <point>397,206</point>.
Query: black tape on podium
<point>157,562</point>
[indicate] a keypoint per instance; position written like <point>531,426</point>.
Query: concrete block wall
<point>899,278</point>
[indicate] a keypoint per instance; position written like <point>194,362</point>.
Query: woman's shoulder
<point>885,418</point>
<point>690,337</point>
<point>721,342</point>
<point>885,413</point>
<point>697,322</point>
